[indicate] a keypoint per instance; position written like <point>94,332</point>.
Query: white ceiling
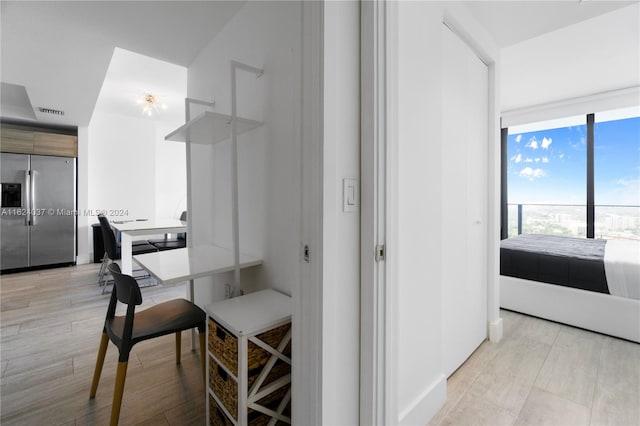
<point>131,75</point>
<point>60,50</point>
<point>511,22</point>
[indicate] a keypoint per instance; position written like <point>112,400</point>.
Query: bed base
<point>603,313</point>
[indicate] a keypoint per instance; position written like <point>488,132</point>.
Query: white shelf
<point>210,128</point>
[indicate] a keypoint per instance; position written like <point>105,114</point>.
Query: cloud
<point>518,138</point>
<point>533,143</point>
<point>517,158</point>
<point>561,156</point>
<point>532,174</point>
<point>545,143</point>
<point>545,159</point>
<point>528,160</point>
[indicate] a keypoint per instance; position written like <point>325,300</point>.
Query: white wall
<point>265,35</point>
<point>129,170</point>
<point>170,174</point>
<point>593,56</point>
<point>415,280</point>
<point>341,230</point>
<point>122,166</point>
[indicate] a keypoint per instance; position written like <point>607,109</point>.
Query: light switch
<point>350,195</point>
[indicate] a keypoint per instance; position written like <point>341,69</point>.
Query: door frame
<point>375,303</point>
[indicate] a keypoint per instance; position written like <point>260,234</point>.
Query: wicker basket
<point>271,401</point>
<point>258,357</point>
<point>225,387</point>
<point>224,346</point>
<point>216,415</point>
<point>280,368</point>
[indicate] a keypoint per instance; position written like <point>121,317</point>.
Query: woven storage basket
<point>270,401</point>
<point>224,386</point>
<point>280,368</point>
<point>216,415</point>
<point>257,357</point>
<point>224,346</point>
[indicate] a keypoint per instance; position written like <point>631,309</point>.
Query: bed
<point>588,283</point>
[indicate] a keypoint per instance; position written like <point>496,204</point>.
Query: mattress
<point>566,261</point>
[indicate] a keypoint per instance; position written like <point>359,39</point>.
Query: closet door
<point>465,186</point>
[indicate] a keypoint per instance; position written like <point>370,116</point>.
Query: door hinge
<point>380,252</point>
<point>306,255</point>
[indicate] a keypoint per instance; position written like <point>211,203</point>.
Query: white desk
<point>137,228</point>
<point>187,264</point>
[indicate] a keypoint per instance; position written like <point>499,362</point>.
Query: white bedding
<point>622,267</point>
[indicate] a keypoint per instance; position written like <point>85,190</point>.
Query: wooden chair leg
<point>178,346</point>
<point>203,356</point>
<point>102,351</point>
<point>121,375</point>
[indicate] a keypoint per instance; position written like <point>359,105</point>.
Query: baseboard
<point>495,330</point>
<point>426,404</point>
<point>83,259</point>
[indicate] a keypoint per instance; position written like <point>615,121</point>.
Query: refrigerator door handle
<point>32,198</point>
<point>27,206</point>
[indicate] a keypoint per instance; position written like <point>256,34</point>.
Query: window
<point>617,174</point>
<point>551,187</point>
<point>547,177</point>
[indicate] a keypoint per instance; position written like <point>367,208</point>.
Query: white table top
<point>179,265</point>
<point>148,225</point>
<point>253,312</point>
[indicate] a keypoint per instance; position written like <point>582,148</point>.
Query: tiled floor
<point>544,373</point>
<point>51,322</point>
<point>540,373</point>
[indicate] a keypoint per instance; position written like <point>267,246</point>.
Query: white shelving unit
<point>210,128</point>
<point>249,360</point>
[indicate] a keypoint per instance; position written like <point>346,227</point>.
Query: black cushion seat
<point>158,320</point>
<point>142,249</point>
<point>170,245</point>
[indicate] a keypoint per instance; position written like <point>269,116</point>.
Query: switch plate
<point>350,195</point>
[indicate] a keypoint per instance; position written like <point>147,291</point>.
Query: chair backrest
<point>109,238</point>
<point>126,287</point>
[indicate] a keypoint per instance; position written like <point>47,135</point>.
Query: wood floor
<point>51,323</point>
<point>541,373</point>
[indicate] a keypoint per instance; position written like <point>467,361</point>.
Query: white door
<point>465,146</point>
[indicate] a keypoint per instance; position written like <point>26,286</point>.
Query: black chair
<point>169,317</point>
<point>112,248</point>
<point>168,243</point>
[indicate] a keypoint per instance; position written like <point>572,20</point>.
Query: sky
<point>549,166</point>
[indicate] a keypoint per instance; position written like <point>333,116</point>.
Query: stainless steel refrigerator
<point>38,215</point>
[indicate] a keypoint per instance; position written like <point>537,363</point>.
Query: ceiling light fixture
<point>150,103</point>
